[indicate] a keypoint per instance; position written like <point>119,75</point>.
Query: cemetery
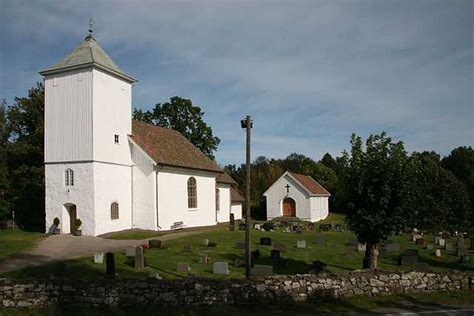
<point>220,254</point>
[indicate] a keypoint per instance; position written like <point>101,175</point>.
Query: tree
<point>375,183</point>
<point>5,204</point>
<point>25,157</point>
<point>329,161</point>
<point>181,115</point>
<point>461,163</point>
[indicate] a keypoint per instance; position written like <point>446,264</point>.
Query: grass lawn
<point>14,241</point>
<point>134,234</point>
<point>297,260</point>
<point>363,305</point>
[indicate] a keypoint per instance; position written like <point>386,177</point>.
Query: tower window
<point>114,210</point>
<point>116,139</point>
<point>69,180</point>
<point>192,193</point>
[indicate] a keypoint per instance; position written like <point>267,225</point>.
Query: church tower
<point>88,114</point>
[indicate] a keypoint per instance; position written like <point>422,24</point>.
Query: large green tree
<point>181,115</point>
<point>375,180</point>
<point>24,157</point>
<point>5,205</point>
<point>461,163</point>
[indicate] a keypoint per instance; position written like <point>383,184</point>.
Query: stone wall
<point>196,291</point>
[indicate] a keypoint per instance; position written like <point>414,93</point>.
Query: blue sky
<point>309,72</point>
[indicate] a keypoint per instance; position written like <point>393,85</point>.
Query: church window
<point>69,177</point>
<point>114,210</point>
<point>192,193</point>
<point>116,139</point>
<point>218,200</point>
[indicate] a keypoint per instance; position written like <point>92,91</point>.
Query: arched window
<point>218,200</point>
<point>192,193</point>
<point>114,210</point>
<point>69,177</point>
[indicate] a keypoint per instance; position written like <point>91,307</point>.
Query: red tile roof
<point>235,195</point>
<point>310,184</point>
<point>169,148</point>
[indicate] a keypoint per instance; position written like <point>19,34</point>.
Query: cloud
<point>310,72</point>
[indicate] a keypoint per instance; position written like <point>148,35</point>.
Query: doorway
<point>289,207</point>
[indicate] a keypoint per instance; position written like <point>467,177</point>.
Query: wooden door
<point>289,207</point>
<point>72,218</point>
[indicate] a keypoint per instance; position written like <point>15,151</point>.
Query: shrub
<point>77,223</point>
<point>56,221</point>
<point>268,226</point>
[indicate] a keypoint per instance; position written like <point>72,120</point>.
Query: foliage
<point>56,221</point>
<point>5,203</point>
<point>461,163</point>
<point>77,223</point>
<point>181,115</point>
<point>23,154</point>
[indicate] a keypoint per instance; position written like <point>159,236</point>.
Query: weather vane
<point>91,26</point>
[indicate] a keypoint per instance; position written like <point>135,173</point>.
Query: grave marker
<point>231,222</point>
<point>442,242</point>
<point>449,246</point>
<point>280,247</point>
<point>259,270</point>
<point>239,262</point>
<point>187,248</point>
<point>183,267</point>
<point>139,259</point>
<point>429,247</point>
<point>265,241</point>
<point>275,254</point>
<point>154,243</point>
<point>438,252</point>
<point>301,244</point>
<point>220,267</point>
<point>99,257</point>
<point>319,240</point>
<point>110,265</point>
<point>204,258</point>
<point>361,247</point>
<point>422,267</point>
<point>420,242</point>
<point>205,242</point>
<point>409,258</point>
<point>240,245</point>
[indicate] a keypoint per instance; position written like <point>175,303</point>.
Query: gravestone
<point>361,247</point>
<point>442,242</point>
<point>183,267</point>
<point>265,241</point>
<point>318,266</point>
<point>409,258</point>
<point>286,230</point>
<point>420,242</point>
<point>438,252</point>
<point>422,267</point>
<point>257,226</point>
<point>436,240</point>
<point>324,228</point>
<point>465,258</point>
<point>275,254</point>
<point>204,258</point>
<point>239,262</point>
<point>242,226</point>
<point>460,242</point>
<point>319,240</point>
<point>461,252</point>
<point>205,242</point>
<point>220,267</point>
<point>338,228</point>
<point>155,275</point>
<point>301,244</point>
<point>154,243</point>
<point>429,247</point>
<point>110,265</point>
<point>240,245</point>
<point>449,246</point>
<point>99,257</point>
<point>415,237</point>
<point>231,222</point>
<point>187,248</point>
<point>130,251</point>
<point>260,270</point>
<point>279,247</point>
<point>139,259</point>
<point>255,254</point>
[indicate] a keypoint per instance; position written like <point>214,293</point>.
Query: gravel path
<point>63,247</point>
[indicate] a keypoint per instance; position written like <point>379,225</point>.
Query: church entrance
<point>72,212</point>
<point>289,207</point>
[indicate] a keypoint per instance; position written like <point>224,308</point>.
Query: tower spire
<point>91,26</point>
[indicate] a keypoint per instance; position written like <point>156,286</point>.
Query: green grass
<point>135,234</point>
<point>296,260</point>
<point>363,305</point>
<point>14,241</point>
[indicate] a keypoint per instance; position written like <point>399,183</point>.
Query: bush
<point>56,221</point>
<point>77,223</point>
<point>268,226</point>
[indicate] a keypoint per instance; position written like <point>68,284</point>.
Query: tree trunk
<point>367,261</point>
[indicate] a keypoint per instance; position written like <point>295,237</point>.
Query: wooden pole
<point>247,124</point>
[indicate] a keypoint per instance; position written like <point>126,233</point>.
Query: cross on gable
<point>287,186</point>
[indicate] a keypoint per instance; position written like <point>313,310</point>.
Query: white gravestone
<point>301,244</point>
<point>99,257</point>
<point>220,267</point>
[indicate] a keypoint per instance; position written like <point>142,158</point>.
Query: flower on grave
<point>146,246</point>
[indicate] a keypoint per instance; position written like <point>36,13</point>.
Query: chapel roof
<point>235,195</point>
<point>88,53</point>
<point>310,184</point>
<point>168,147</point>
<point>225,178</point>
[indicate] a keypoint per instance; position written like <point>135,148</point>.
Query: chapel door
<point>72,218</point>
<point>289,207</point>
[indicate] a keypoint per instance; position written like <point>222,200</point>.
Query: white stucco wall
<point>68,116</point>
<point>223,215</point>
<point>112,183</point>
<point>319,208</point>
<point>112,114</point>
<point>144,190</point>
<point>81,194</point>
<point>173,201</point>
<point>277,193</point>
<point>236,209</point>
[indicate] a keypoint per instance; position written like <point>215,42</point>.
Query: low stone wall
<point>196,291</point>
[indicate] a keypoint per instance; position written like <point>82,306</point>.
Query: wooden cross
<point>287,188</point>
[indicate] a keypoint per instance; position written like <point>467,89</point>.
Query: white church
<point>114,173</point>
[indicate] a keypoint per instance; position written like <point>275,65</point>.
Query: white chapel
<point>114,173</point>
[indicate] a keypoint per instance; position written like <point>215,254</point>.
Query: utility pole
<point>247,123</point>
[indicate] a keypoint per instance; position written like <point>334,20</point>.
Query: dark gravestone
<point>110,265</point>
<point>275,254</point>
<point>422,267</point>
<point>260,270</point>
<point>420,242</point>
<point>338,227</point>
<point>318,266</point>
<point>240,245</point>
<point>465,258</point>
<point>239,262</point>
<point>461,252</point>
<point>265,241</point>
<point>324,228</point>
<point>319,240</point>
<point>408,258</point>
<point>241,226</point>
<point>231,222</point>
<point>255,254</point>
<point>154,243</point>
<point>187,248</point>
